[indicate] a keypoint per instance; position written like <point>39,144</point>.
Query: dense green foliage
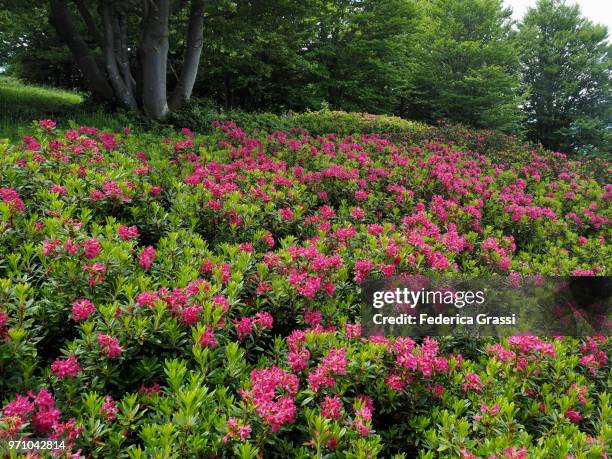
<point>30,47</point>
<point>198,295</point>
<point>466,65</point>
<point>567,68</point>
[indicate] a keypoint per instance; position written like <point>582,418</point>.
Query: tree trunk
<point>59,17</point>
<point>111,57</point>
<point>113,80</point>
<point>123,57</point>
<point>155,58</point>
<point>191,59</point>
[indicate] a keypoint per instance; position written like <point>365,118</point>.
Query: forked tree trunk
<point>115,82</point>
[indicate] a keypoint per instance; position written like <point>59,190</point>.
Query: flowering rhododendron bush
<point>199,297</point>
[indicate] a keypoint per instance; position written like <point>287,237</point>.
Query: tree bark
<point>155,59</point>
<point>123,57</point>
<point>191,59</point>
<point>90,23</point>
<point>59,17</point>
<point>122,91</point>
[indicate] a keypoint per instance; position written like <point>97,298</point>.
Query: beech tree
<point>128,67</point>
<point>566,63</point>
<point>466,65</point>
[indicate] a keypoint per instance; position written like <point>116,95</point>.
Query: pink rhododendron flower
<point>396,382</point>
<point>128,232</point>
<point>96,273</point>
<point>320,377</point>
<point>191,314</point>
<point>515,453</point>
<point>264,320</point>
<point>11,197</point>
<point>236,430</point>
<point>331,407</point>
<point>335,361</point>
<point>82,309</point>
<point>313,318</point>
<point>58,189</point>
<point>472,382</point>
<point>91,248</point>
<point>267,385</point>
<point>298,359</point>
<point>109,409</point>
<point>208,338</point>
<point>65,368</point>
<point>244,327</point>
<point>147,257</point>
<point>47,125</point>
<point>573,416</point>
<point>465,454</point>
<point>286,213</point>
<point>109,346</point>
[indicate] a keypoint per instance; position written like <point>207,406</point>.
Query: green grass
<point>21,103</point>
<point>40,98</point>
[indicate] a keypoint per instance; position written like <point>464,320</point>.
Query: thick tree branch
<point>121,49</point>
<point>124,92</point>
<point>89,22</point>
<point>59,17</point>
<point>191,58</point>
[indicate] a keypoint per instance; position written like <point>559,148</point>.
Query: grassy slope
<point>21,103</point>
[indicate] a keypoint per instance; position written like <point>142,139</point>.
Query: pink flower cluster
<point>411,360</point>
<point>592,356</point>
<point>82,309</point>
<point>244,326</point>
<point>109,409</point>
<point>109,346</point>
<point>95,273</point>
<point>236,430</point>
<point>331,407</point>
<point>147,257</point>
<point>499,254</point>
<point>40,411</point>
<point>275,409</point>
<point>333,363</point>
<point>89,248</point>
<point>364,408</point>
<point>472,382</point>
<point>128,232</point>
<point>208,338</point>
<point>110,190</point>
<point>11,197</point>
<point>47,125</point>
<point>67,368</point>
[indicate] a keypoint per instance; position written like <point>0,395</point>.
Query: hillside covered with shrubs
<point>198,295</point>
